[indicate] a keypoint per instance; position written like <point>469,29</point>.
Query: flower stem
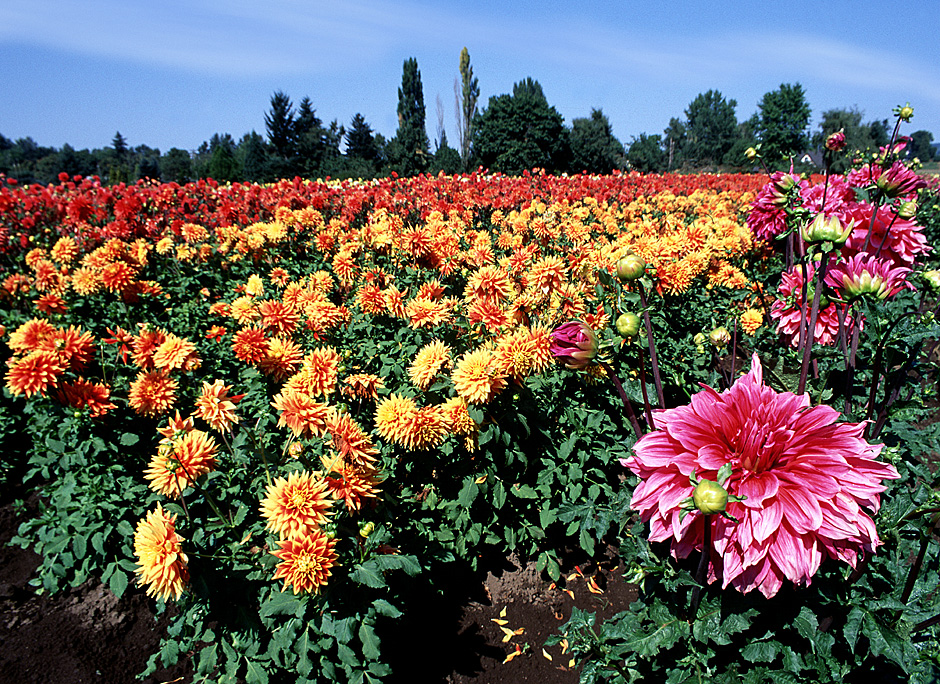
<point>628,407</point>
<point>649,337</point>
<point>702,568</point>
<point>814,313</point>
<point>646,399</point>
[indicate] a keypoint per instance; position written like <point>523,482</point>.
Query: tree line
<point>514,132</point>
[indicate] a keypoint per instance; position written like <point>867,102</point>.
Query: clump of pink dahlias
<point>809,483</point>
<point>790,309</point>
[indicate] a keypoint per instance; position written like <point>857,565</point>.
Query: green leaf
<point>255,674</point>
<point>468,493</point>
<point>118,583</point>
<point>370,642</point>
<point>79,545</point>
<point>208,658</point>
<point>129,439</point>
<point>524,491</point>
<point>369,575</point>
<point>282,603</point>
<point>853,623</point>
<point>760,651</point>
<point>383,607</point>
<point>302,649</point>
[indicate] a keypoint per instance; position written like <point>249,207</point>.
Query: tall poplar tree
<point>466,95</point>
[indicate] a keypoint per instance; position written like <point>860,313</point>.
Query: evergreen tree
<point>593,146</point>
<point>409,149</point>
<point>310,137</point>
<point>466,95</point>
<point>784,123</point>
<point>279,122</point>
<point>446,158</point>
<point>521,131</point>
<point>252,155</point>
<point>176,166</point>
<point>711,128</point>
<point>360,142</point>
<point>223,166</point>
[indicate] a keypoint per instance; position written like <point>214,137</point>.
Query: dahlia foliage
<point>809,483</point>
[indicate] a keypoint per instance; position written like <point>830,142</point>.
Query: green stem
<point>702,568</point>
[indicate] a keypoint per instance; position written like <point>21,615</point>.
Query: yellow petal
<point>481,479</point>
<point>564,645</point>
<point>502,613</point>
<point>545,653</point>
<point>593,588</point>
<point>571,663</point>
<point>506,631</point>
<point>498,621</point>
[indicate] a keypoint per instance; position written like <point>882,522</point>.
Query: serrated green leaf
<point>760,651</point>
<point>208,659</point>
<point>524,491</point>
<point>468,492</point>
<point>255,673</point>
<point>282,603</point>
<point>369,575</point>
<point>853,624</point>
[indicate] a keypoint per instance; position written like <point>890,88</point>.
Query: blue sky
<point>172,73</point>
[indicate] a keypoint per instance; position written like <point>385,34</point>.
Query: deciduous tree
<point>521,131</point>
<point>711,129</point>
<point>784,123</point>
<point>593,146</point>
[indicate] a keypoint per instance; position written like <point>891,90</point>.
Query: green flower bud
<point>630,267</point>
<point>710,497</point>
<point>628,325</point>
<point>719,337</point>
<point>822,229</point>
<point>907,210</point>
<point>932,279</point>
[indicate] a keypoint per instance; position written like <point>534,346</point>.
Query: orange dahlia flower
<point>161,563</point>
<point>296,506</point>
<point>34,373</point>
<point>216,407</point>
<point>152,393</point>
<point>305,562</point>
<point>179,463</point>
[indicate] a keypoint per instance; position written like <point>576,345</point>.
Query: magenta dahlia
<point>810,483</point>
<point>790,309</point>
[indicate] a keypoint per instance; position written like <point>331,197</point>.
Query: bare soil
<point>87,635</point>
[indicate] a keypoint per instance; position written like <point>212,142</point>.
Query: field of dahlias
<point>286,412</point>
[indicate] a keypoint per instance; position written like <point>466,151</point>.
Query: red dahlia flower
<point>809,482</point>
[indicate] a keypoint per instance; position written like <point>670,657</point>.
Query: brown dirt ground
<point>86,635</point>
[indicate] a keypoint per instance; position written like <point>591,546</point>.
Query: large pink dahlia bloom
<point>809,482</point>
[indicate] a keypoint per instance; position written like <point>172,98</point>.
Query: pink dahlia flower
<point>789,309</point>
<point>897,239</point>
<point>864,274</point>
<point>810,483</point>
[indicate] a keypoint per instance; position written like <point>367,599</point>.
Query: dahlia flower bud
<point>575,344</point>
<point>907,210</point>
<point>710,497</point>
<point>628,324</point>
<point>905,113</point>
<point>836,141</point>
<point>719,337</point>
<point>821,229</point>
<point>932,278</point>
<point>899,180</point>
<point>750,153</point>
<point>630,267</point>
